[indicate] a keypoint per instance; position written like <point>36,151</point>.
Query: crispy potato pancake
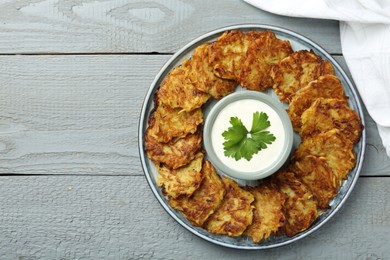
<point>234,214</point>
<point>182,181</point>
<point>300,208</point>
<point>205,200</point>
<point>296,71</point>
<point>177,91</point>
<point>228,52</point>
<point>202,77</point>
<point>332,146</point>
<point>268,216</point>
<point>326,114</point>
<point>166,123</point>
<point>316,174</point>
<point>176,153</point>
<point>328,86</point>
<point>263,52</point>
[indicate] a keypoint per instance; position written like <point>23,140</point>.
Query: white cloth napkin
<point>365,41</point>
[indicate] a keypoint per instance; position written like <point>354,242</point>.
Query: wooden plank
<point>102,217</point>
<point>51,26</point>
<point>72,114</point>
<point>79,114</point>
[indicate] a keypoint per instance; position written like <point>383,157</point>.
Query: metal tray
<point>298,42</point>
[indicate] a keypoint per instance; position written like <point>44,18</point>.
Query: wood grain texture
<point>75,26</point>
<point>71,184</point>
<point>102,217</point>
<point>79,114</point>
<point>72,114</point>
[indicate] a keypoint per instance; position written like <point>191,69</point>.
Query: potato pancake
<point>177,91</point>
<point>316,174</point>
<point>296,71</point>
<point>326,114</point>
<point>268,216</point>
<point>234,214</point>
<point>228,52</point>
<point>205,200</point>
<point>328,86</point>
<point>176,153</point>
<point>202,77</point>
<point>166,123</point>
<point>182,181</point>
<point>300,208</point>
<point>332,146</point>
<point>263,53</point>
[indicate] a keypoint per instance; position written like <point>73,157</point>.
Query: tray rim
<point>169,65</point>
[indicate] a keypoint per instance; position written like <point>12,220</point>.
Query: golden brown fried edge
<point>300,207</point>
<point>268,214</point>
<point>235,212</point>
<point>262,54</point>
<point>316,174</point>
<point>296,71</point>
<point>177,91</point>
<point>176,153</point>
<point>205,200</point>
<point>332,146</point>
<point>183,181</point>
<point>202,76</point>
<point>227,53</point>
<point>166,123</point>
<point>328,86</point>
<point>326,114</point>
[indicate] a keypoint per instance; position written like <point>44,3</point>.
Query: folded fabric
<point>365,42</point>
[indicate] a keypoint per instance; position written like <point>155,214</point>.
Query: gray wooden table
<point>73,75</point>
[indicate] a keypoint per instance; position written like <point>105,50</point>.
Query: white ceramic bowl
<point>257,171</point>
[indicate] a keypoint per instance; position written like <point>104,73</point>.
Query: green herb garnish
<point>240,143</point>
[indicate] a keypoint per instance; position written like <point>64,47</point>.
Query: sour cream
<point>244,106</point>
<point>244,109</point>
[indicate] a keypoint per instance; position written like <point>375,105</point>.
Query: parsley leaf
<point>263,138</point>
<point>235,134</point>
<point>260,122</point>
<point>248,148</point>
<point>243,144</point>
